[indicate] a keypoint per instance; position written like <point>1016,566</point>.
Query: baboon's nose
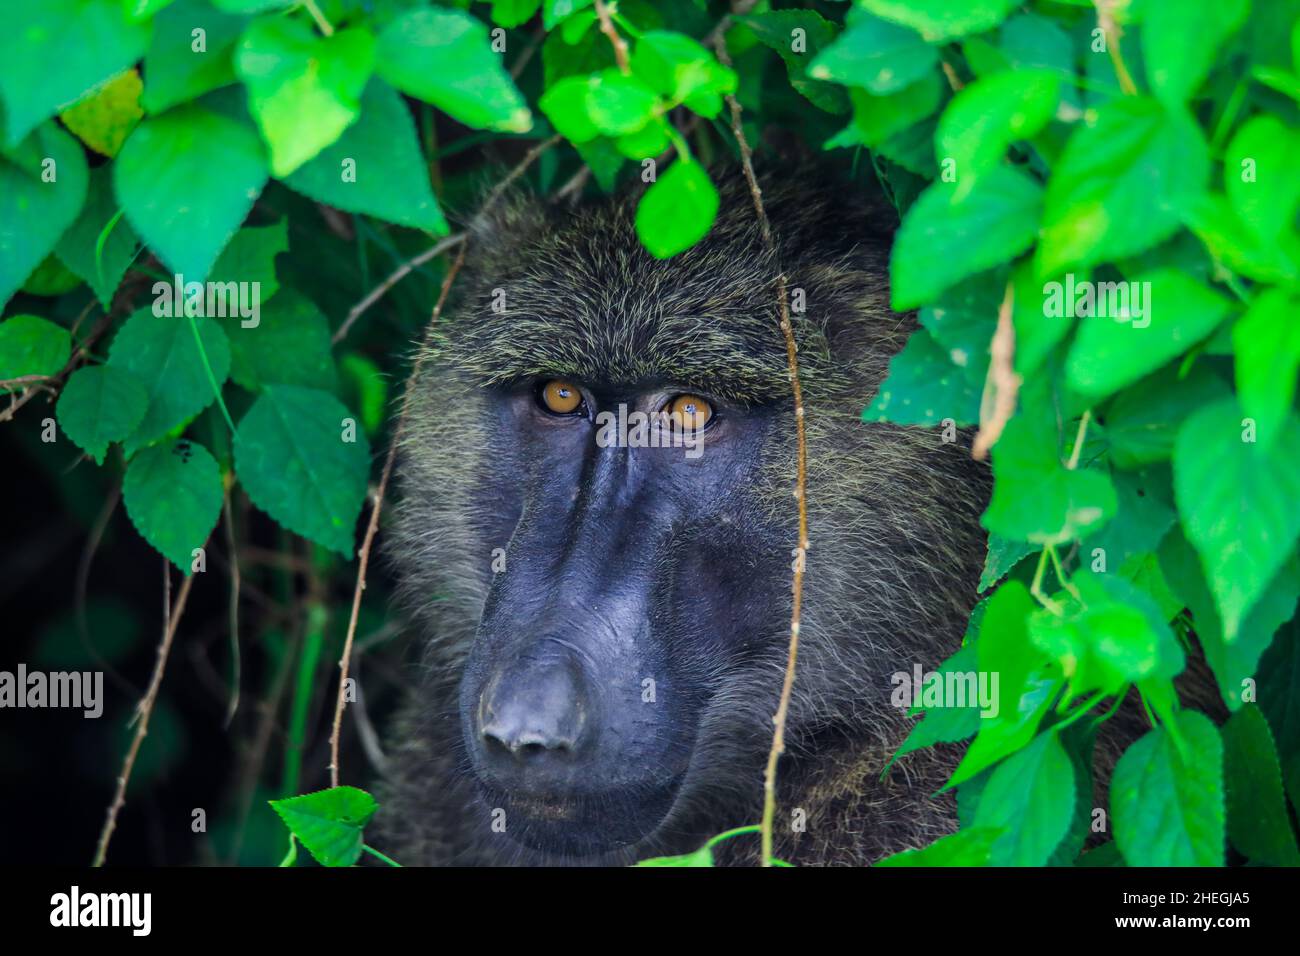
<point>534,708</point>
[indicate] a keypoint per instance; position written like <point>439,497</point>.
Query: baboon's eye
<point>560,397</point>
<point>688,412</point>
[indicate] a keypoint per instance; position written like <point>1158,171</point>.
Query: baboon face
<point>604,595</point>
<point>627,581</point>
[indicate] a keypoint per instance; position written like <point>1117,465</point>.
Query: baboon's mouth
<point>583,825</point>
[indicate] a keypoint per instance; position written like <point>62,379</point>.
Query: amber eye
<point>560,397</point>
<point>688,412</point>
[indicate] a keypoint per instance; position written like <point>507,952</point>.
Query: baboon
<point>604,625</point>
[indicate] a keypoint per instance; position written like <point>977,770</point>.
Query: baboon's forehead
<point>699,322</point>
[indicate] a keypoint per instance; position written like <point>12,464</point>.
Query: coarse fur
<point>895,542</point>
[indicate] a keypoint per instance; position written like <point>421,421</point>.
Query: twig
<point>398,274</point>
<point>319,17</point>
<point>801,487</point>
<point>616,41</point>
<point>373,526</point>
<point>171,620</point>
<point>1111,31</point>
<point>534,43</point>
<point>233,705</point>
<point>1002,384</point>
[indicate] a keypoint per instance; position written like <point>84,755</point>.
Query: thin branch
<point>319,17</point>
<point>233,705</point>
<point>801,486</point>
<point>1002,384</point>
<point>615,40</point>
<point>1110,29</point>
<point>373,526</point>
<point>171,620</point>
<point>398,274</point>
<point>77,355</point>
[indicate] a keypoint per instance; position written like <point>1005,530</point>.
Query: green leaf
<point>798,36</point>
<point>565,105</point>
<point>1279,698</point>
<point>876,54</point>
<point>174,71</point>
<point>290,345</point>
<point>943,724</point>
<point>304,90</point>
<point>56,51</point>
<point>249,257</point>
<point>1168,806</point>
<point>1111,636</point>
<point>1234,664</point>
<point>1238,246</point>
<point>104,119</point>
<point>100,404</point>
<point>987,116</point>
<point>944,238</point>
<point>187,179</point>
<point>1035,497</point>
<point>1258,824</point>
<point>1134,327</point>
<point>677,211</point>
<point>329,823</point>
<point>618,104</point>
<point>1123,183</point>
<point>1003,555</point>
<point>294,460</point>
<point>80,248</point>
<point>1141,520</point>
<point>1179,42</point>
<point>161,353</point>
<point>554,11</point>
<point>30,345</point>
<point>924,387</point>
<point>513,13</point>
<point>878,118</point>
<point>40,196</point>
<point>938,20</point>
<point>967,847</point>
<point>444,57</point>
<point>1237,501</point>
<point>1024,691</point>
<point>173,493</point>
<point>376,167</point>
<point>1267,345</point>
<point>701,857</point>
<point>1030,798</point>
<point>676,66</point>
<point>1143,421</point>
<point>1259,176</point>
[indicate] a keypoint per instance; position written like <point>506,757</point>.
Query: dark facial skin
<point>627,589</point>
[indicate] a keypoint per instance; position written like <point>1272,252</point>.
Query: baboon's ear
<point>514,219</point>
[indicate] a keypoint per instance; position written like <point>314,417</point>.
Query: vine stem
<point>372,527</point>
<point>616,41</point>
<point>796,585</point>
<point>325,26</point>
<point>1110,29</point>
<point>171,620</point>
<point>373,852</point>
